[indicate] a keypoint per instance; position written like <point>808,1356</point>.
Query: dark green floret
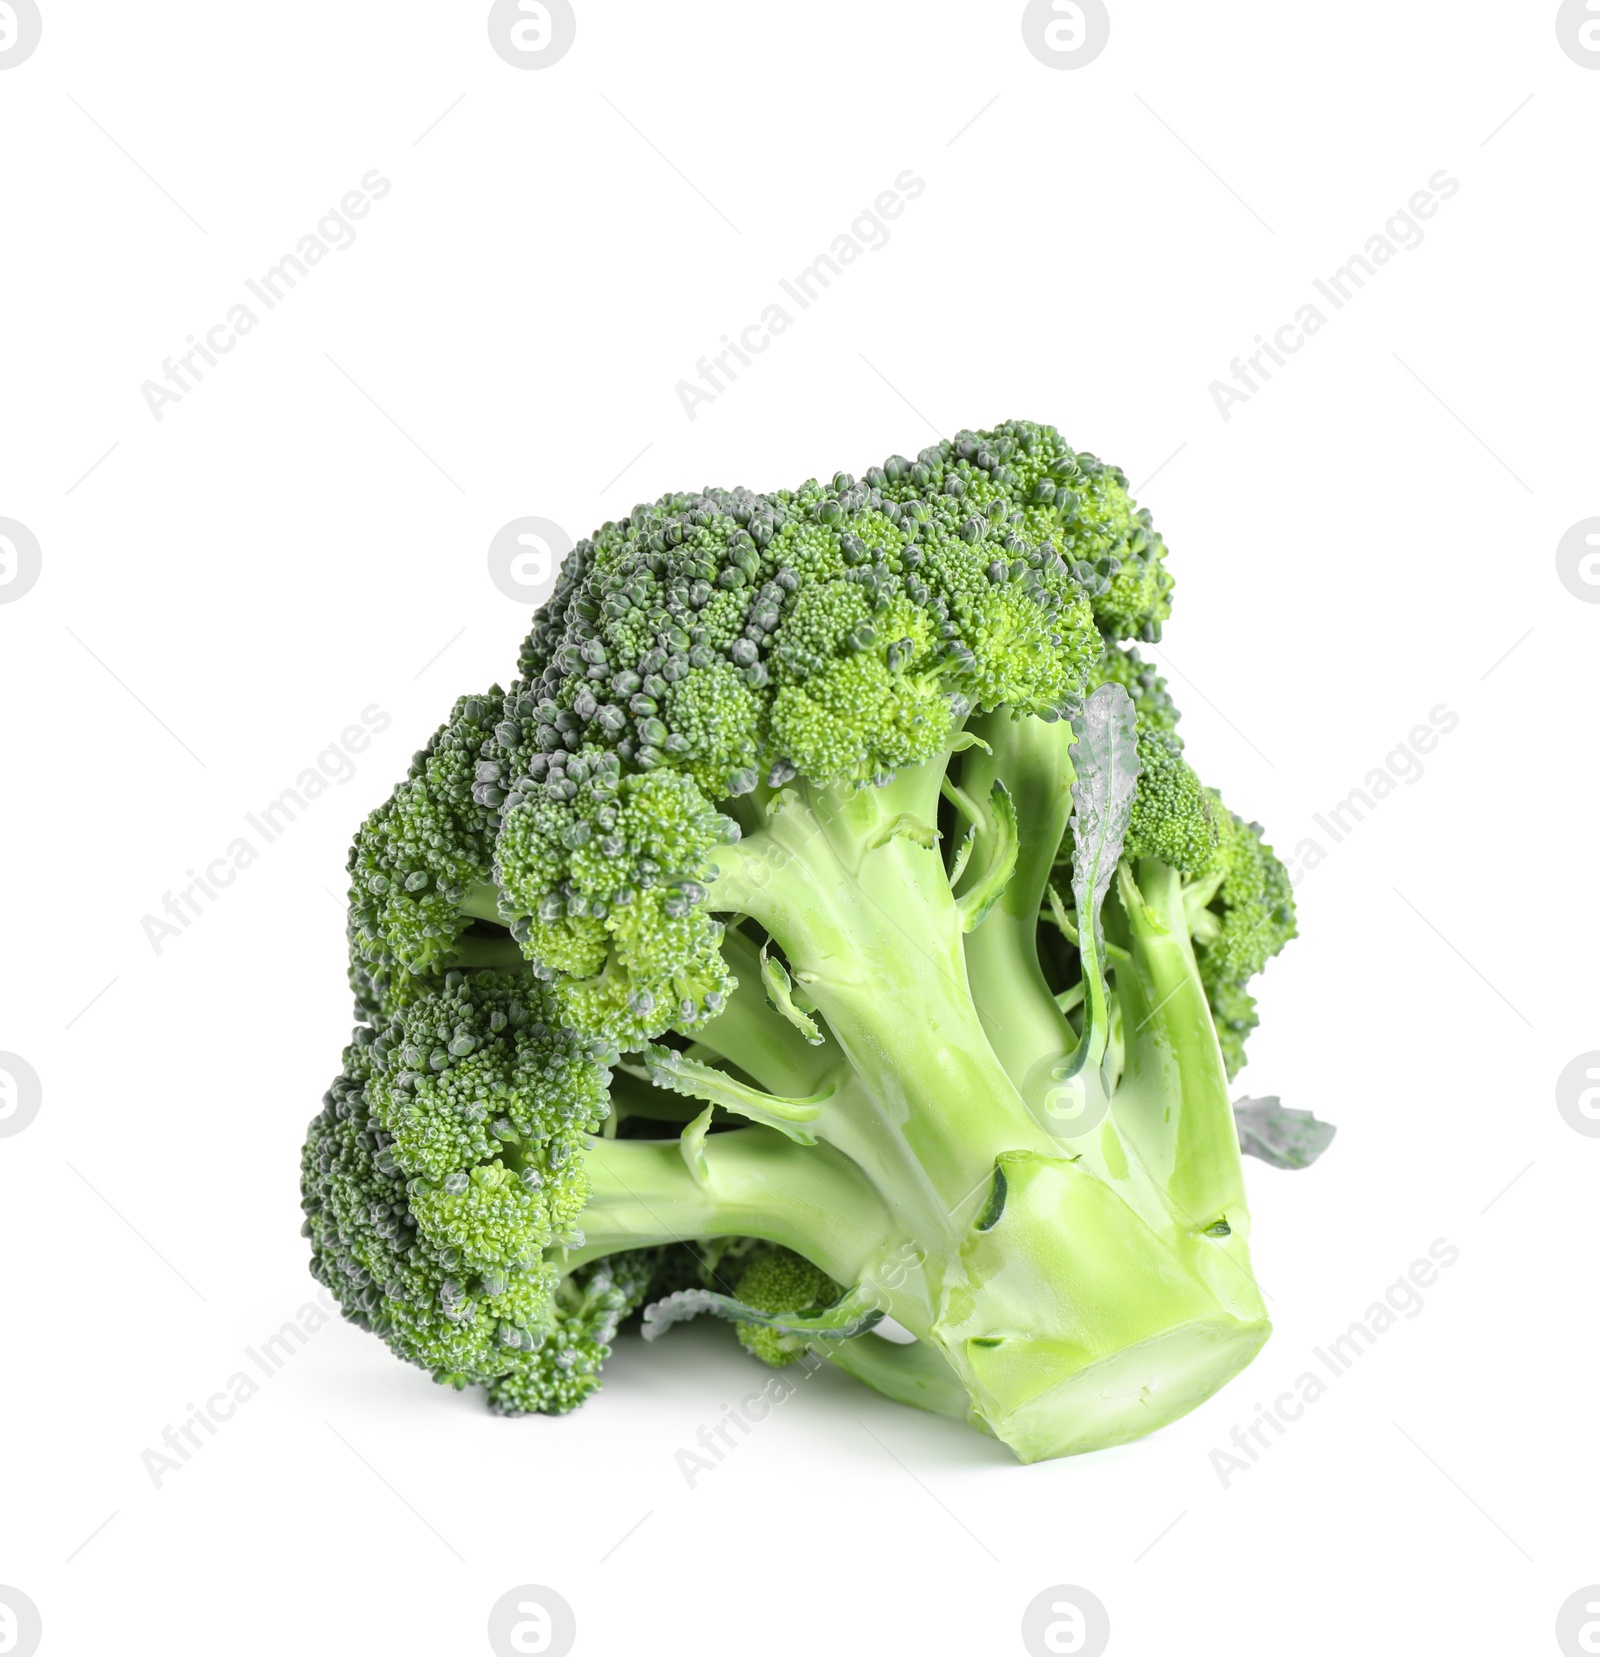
<point>1241,913</point>
<point>778,1280</point>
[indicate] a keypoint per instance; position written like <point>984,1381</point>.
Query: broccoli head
<point>823,923</point>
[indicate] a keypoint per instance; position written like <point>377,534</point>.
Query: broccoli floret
<point>603,880</point>
<point>1241,913</point>
<point>1171,811</point>
<point>1069,502</point>
<point>779,1280</point>
<point>824,923</point>
<point>390,1275</point>
<point>1238,901</point>
<point>415,858</point>
<point>445,1164</point>
<point>1173,814</point>
<point>586,1310</point>
<point>1233,1011</point>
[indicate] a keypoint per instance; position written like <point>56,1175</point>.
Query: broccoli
<point>777,1280</point>
<point>824,924</point>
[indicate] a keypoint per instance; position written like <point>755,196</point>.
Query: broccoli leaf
<point>1284,1138</point>
<point>669,1069</point>
<point>1105,757</point>
<point>780,995</point>
<point>849,1316</point>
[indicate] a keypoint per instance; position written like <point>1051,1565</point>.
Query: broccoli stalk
<point>1083,1283</point>
<point>830,884</point>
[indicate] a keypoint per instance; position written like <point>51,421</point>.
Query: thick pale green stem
<point>1072,1299</point>
<point>1029,1033</point>
<point>1172,1104</point>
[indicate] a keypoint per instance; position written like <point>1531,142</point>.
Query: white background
<point>304,535</point>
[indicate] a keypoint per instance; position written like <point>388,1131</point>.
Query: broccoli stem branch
<point>1172,1103</point>
<point>757,1184</point>
<point>1026,1027</point>
<point>475,950</point>
<point>909,1374</point>
<point>482,902</point>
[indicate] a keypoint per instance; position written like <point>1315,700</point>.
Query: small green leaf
<point>670,1069</point>
<point>1105,758</point>
<point>780,993</point>
<point>908,827</point>
<point>961,800</point>
<point>1060,914</point>
<point>692,1143</point>
<point>998,838</point>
